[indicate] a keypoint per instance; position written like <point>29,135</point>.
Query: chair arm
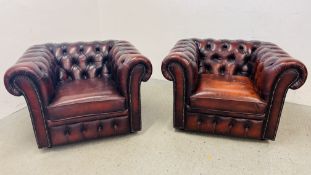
<point>185,54</point>
<point>39,66</point>
<point>124,57</point>
<point>272,62</point>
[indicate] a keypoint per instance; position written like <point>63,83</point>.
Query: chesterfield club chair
<point>80,91</point>
<point>234,88</point>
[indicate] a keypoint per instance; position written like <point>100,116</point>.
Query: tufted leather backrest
<point>226,57</point>
<point>82,60</point>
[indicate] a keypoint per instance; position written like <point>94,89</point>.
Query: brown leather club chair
<point>80,91</point>
<point>234,88</point>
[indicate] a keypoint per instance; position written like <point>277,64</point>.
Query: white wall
<point>152,26</point>
<point>155,26</point>
<point>25,23</point>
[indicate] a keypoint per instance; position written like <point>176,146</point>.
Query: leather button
<point>81,49</point>
<point>74,61</point>
<point>241,48</point>
<point>222,70</point>
<point>97,49</point>
<point>231,124</point>
<point>83,128</point>
<point>100,127</point>
<point>199,121</point>
<point>67,131</point>
<point>209,46</point>
<point>216,57</point>
<point>214,124</point>
<point>90,60</point>
<point>215,120</point>
<point>84,75</point>
<point>247,124</point>
<point>231,58</point>
<point>115,125</point>
<point>246,129</point>
<point>64,50</point>
<point>208,68</point>
<point>225,46</point>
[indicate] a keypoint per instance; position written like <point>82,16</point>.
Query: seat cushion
<point>227,94</point>
<point>85,97</point>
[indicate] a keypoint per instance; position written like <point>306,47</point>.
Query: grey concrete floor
<point>160,149</point>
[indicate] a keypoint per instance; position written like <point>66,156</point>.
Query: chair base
<point>88,130</point>
<point>214,124</point>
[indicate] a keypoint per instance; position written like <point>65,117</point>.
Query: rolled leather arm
<point>124,58</point>
<point>185,53</point>
<point>38,65</point>
<point>272,62</point>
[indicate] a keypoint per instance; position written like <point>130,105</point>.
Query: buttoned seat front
<point>219,94</point>
<point>85,97</point>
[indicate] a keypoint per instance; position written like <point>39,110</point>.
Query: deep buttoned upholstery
<point>231,87</point>
<point>79,91</point>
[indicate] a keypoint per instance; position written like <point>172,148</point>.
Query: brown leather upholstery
<point>220,93</point>
<point>79,91</point>
<point>93,96</point>
<point>82,61</point>
<point>226,57</point>
<point>231,87</point>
